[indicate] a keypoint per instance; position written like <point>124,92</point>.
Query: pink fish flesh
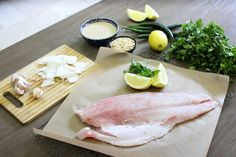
<point>136,119</point>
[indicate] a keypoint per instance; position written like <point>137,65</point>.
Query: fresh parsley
<point>141,69</point>
<point>204,47</point>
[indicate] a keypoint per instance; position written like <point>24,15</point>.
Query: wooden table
<point>18,140</point>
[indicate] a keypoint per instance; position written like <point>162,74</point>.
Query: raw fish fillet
<point>136,119</point>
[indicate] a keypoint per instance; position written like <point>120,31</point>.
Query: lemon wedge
<point>161,79</point>
<point>136,15</point>
<point>151,13</point>
<point>137,82</point>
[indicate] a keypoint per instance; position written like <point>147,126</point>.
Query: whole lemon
<point>158,40</point>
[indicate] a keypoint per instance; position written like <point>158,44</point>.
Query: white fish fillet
<point>135,119</point>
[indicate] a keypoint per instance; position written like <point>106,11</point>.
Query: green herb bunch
<point>204,47</point>
<point>141,69</point>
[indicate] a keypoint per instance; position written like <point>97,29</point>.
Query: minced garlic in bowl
<point>123,43</point>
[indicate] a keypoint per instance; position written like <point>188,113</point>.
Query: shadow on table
<point>57,148</point>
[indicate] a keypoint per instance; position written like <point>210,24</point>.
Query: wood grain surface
<point>17,140</point>
<point>32,108</point>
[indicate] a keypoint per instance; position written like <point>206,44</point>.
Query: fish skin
<point>126,135</point>
<point>140,118</point>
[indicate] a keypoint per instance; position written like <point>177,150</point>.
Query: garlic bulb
<point>19,84</point>
<point>37,93</point>
<point>22,83</point>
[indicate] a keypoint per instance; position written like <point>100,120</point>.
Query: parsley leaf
<point>204,47</point>
<point>141,69</point>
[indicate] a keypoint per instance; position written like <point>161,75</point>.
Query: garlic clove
<point>14,77</point>
<point>19,91</point>
<point>37,93</point>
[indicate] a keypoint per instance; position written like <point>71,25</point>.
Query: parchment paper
<point>189,139</point>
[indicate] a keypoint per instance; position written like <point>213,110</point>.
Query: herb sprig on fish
<point>141,69</point>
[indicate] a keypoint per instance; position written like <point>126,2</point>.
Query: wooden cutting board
<point>31,108</point>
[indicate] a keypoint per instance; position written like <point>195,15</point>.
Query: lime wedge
<point>161,79</point>
<point>136,15</point>
<point>151,13</point>
<point>137,82</point>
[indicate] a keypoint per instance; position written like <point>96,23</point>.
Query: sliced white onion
<point>51,73</point>
<point>70,59</point>
<point>80,67</point>
<point>61,66</point>
<point>42,74</point>
<point>47,82</point>
<point>73,78</point>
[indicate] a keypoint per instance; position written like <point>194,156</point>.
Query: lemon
<point>136,15</point>
<point>158,40</point>
<point>137,82</point>
<point>161,79</point>
<point>151,13</point>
